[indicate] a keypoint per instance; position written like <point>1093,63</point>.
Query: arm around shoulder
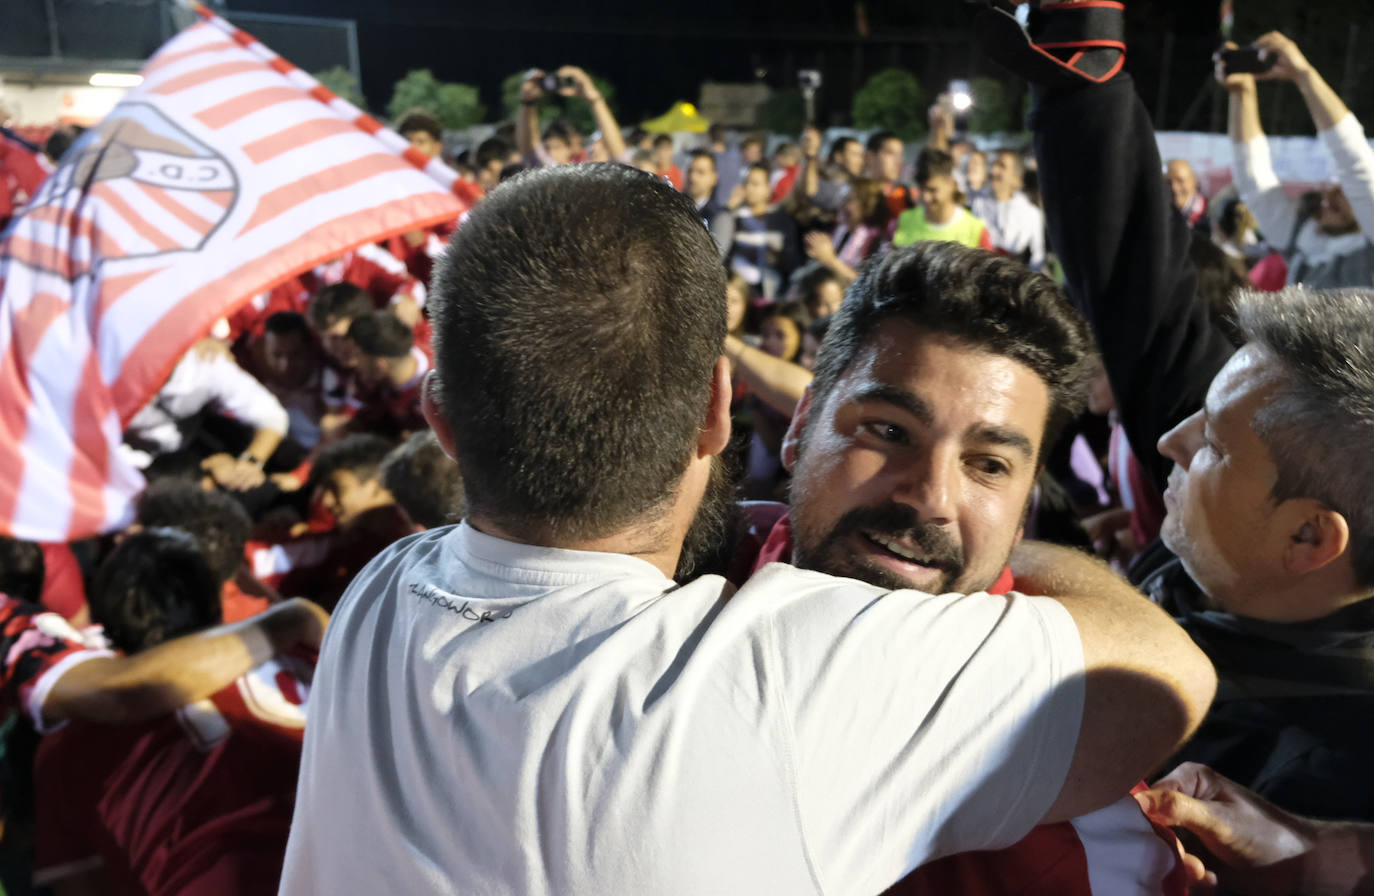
<point>128,689</point>
<point>1147,685</point>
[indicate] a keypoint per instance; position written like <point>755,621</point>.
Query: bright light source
<point>961,102</point>
<point>115,79</point>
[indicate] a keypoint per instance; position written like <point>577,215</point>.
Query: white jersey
<point>495,718</point>
<point>198,382</point>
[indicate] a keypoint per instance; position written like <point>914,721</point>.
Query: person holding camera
<point>1332,248</point>
<point>555,147</point>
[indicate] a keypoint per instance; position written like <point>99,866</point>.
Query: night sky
<point>657,53</point>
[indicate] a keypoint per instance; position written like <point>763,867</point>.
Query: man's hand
<point>1258,848</point>
<point>1289,62</point>
<point>582,86</point>
<point>820,247</point>
<point>1239,83</point>
<point>530,91</point>
<point>407,309</point>
<point>942,115</point>
<point>235,474</point>
<point>211,349</point>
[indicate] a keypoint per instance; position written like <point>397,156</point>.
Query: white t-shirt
<point>196,383</point>
<point>494,718</point>
<point>1015,226</point>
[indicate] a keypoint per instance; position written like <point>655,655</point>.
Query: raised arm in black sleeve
<point>1124,249</point>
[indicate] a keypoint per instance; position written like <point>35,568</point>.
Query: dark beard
<point>707,532</point>
<point>892,520</point>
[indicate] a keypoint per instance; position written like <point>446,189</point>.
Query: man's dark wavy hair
<point>154,586</point>
<point>974,296</point>
<point>577,317</point>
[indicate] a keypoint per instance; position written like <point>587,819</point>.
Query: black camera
<point>555,83</point>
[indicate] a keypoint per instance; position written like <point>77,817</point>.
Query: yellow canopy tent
<point>682,117</point>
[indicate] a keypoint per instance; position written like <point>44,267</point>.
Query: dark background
<point>656,53</point>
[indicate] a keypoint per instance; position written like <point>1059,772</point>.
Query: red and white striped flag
<point>225,172</point>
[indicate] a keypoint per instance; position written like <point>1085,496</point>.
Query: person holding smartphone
<point>1331,248</point>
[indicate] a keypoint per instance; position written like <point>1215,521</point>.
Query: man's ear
<point>715,429</point>
<point>794,431</point>
<point>1317,535</point>
<point>434,415</point>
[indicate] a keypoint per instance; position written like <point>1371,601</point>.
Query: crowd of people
<point>699,519</point>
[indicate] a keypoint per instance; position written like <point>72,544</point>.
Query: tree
<point>456,106</point>
<point>341,81</point>
<point>892,100</point>
<point>785,111</point>
<point>991,112</point>
<point>574,109</point>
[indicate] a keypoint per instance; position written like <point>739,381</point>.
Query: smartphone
<point>1246,61</point>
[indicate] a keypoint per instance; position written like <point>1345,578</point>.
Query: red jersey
<point>899,199</point>
<point>250,319</point>
<point>419,258</point>
<point>22,172</point>
<point>1116,851</point>
<point>38,647</point>
<point>373,269</point>
<point>197,803</point>
<point>385,408</point>
<point>320,565</point>
<point>782,187</point>
<point>672,175</point>
<point>64,586</point>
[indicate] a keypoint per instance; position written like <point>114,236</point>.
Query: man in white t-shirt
<point>529,703</point>
<point>1015,225</point>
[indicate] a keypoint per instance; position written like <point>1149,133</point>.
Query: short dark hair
<point>218,522</point>
<point>878,138</point>
<point>809,286</point>
<point>154,586</point>
<point>359,453</point>
<point>381,334</point>
<point>420,120</point>
<point>990,302</point>
<point>1220,281</point>
<point>818,328</point>
<point>1018,158</point>
<point>662,139</point>
<point>338,301</point>
<point>1322,418</point>
<point>287,323</point>
<point>758,166</point>
<point>492,149</point>
<point>753,139</point>
<point>560,129</point>
<point>839,146</point>
<point>933,163</point>
<point>578,316</point>
<point>797,313</point>
<point>703,154</point>
<point>424,480</point>
<point>60,140</point>
<point>22,569</point>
